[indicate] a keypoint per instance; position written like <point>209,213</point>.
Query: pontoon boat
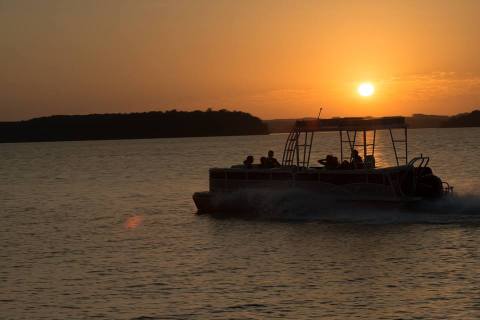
<point>406,182</point>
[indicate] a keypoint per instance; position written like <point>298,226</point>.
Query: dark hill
<point>471,119</point>
<point>133,126</point>
<point>426,121</point>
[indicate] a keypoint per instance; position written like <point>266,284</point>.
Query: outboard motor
<point>428,185</point>
<point>408,182</point>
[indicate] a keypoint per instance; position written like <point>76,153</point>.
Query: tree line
<point>155,124</point>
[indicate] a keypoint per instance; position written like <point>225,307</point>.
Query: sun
<point>366,89</point>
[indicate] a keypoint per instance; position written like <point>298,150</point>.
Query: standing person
<point>271,161</point>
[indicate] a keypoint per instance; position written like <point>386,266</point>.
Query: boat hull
<point>240,190</point>
<point>232,204</point>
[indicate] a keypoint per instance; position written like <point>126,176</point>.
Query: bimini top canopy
<point>351,124</point>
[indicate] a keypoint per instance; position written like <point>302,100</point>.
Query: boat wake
<point>299,205</point>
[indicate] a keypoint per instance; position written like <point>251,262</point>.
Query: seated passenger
<point>357,162</point>
<point>345,165</point>
<point>334,164</point>
<point>271,161</point>
<point>369,162</point>
<point>263,162</point>
<point>330,162</point>
<point>248,163</point>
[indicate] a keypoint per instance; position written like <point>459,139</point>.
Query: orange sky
<point>275,59</point>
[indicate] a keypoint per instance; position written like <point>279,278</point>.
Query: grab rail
<point>423,161</point>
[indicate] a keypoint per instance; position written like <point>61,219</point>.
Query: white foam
<point>302,205</point>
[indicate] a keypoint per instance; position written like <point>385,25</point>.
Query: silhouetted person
<point>330,162</point>
<point>248,162</point>
<point>369,162</point>
<point>263,162</point>
<point>357,162</point>
<point>345,165</point>
<point>271,161</point>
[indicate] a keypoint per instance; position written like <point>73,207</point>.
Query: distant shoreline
<point>178,124</point>
<point>148,125</point>
<point>187,137</point>
<point>416,121</point>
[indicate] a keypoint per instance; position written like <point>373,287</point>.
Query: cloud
<point>439,84</point>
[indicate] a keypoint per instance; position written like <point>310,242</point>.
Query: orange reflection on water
<point>133,222</point>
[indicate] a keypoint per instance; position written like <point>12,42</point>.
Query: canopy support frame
<point>297,150</point>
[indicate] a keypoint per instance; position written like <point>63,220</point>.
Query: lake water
<point>106,229</point>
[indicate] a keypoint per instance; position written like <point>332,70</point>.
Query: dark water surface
<point>106,229</point>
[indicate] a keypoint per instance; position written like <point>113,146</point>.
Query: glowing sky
<point>275,59</point>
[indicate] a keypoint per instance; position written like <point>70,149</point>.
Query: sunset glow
<point>272,59</point>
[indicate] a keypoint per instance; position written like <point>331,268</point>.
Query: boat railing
<point>421,159</point>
